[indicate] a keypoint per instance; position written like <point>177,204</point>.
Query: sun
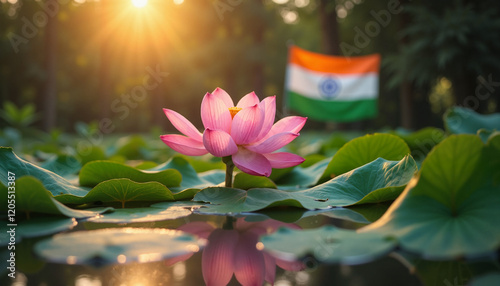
<point>139,3</point>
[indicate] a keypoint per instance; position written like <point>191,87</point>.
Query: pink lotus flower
<point>245,132</point>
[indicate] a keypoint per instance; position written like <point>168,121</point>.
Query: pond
<point>224,235</point>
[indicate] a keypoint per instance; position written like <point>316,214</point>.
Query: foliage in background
<point>454,40</point>
<point>197,45</point>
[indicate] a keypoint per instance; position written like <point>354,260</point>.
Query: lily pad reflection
<point>327,244</point>
<point>123,245</point>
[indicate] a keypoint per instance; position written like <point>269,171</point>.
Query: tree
<point>49,93</point>
<point>330,39</point>
<point>452,40</point>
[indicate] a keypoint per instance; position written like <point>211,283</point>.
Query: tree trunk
<point>406,104</point>
<point>329,28</point>
<point>406,88</point>
<point>49,92</point>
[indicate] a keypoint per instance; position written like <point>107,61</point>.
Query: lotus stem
<point>229,171</point>
<point>228,224</point>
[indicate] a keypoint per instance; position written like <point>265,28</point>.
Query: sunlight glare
<point>139,3</point>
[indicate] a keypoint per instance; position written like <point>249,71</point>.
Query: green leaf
<point>96,172</point>
<point>485,134</point>
<point>57,185</point>
<point>122,245</point>
<point>192,182</point>
<point>190,178</point>
<point>62,165</point>
<point>363,150</point>
<point>32,196</point>
<point>122,190</point>
<point>307,173</point>
<point>360,214</point>
<point>371,212</point>
<point>88,152</point>
<point>351,188</point>
<point>422,141</point>
<point>145,165</point>
<point>459,120</point>
<point>327,244</point>
<point>493,153</point>
<point>134,215</point>
<point>246,181</point>
<point>300,177</point>
<point>451,210</point>
<point>204,166</point>
<point>130,147</point>
<point>213,177</point>
<point>345,214</point>
<point>156,212</point>
<point>487,279</point>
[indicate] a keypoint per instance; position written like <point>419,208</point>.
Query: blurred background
<point>116,63</point>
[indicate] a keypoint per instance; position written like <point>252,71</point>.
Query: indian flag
<point>332,88</point>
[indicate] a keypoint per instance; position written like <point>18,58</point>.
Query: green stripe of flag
<point>340,111</point>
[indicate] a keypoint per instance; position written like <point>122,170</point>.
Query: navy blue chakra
<point>329,87</point>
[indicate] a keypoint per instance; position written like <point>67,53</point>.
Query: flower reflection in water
<point>233,249</point>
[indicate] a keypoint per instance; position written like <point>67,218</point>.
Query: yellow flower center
<point>234,110</point>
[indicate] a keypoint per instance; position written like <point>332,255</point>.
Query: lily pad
<point>88,152</point>
<point>122,245</point>
<point>62,165</point>
<point>246,181</point>
<point>205,165</point>
<point>213,177</point>
<point>327,244</point>
<point>451,210</point>
<point>493,150</point>
<point>487,279</point>
<point>190,178</point>
<point>122,190</point>
<point>301,177</point>
<point>422,141</point>
<point>363,150</point>
<point>294,215</point>
<point>184,204</point>
<point>153,213</point>
<point>371,212</point>
<point>130,147</point>
<point>459,120</point>
<point>37,227</point>
<point>372,183</point>
<point>57,185</point>
<point>32,196</point>
<point>345,214</point>
<point>96,172</point>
